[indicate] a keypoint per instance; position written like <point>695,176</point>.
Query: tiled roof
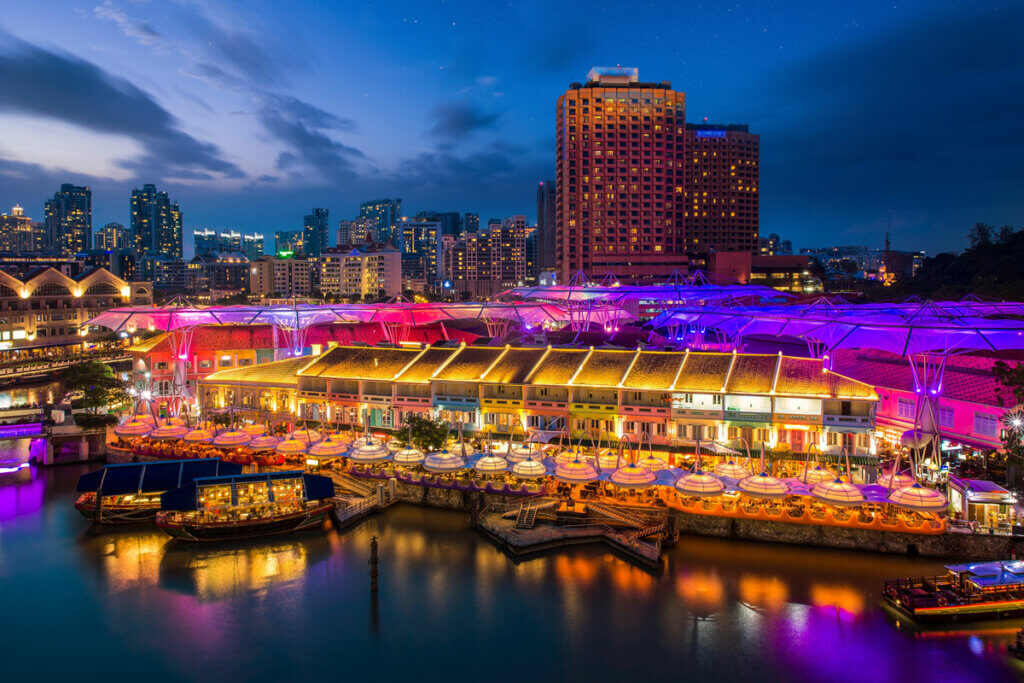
<point>361,362</point>
<point>514,366</point>
<point>471,363</point>
<point>423,367</point>
<point>804,377</point>
<point>704,372</point>
<point>147,345</point>
<point>559,366</point>
<point>966,378</point>
<point>278,373</point>
<point>654,370</point>
<point>604,368</point>
<point>752,374</point>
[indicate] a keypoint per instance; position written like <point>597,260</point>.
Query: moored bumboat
<point>981,590</point>
<point>130,493</point>
<point>245,506</point>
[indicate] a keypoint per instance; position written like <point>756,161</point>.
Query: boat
<point>981,590</point>
<point>245,506</point>
<point>125,494</point>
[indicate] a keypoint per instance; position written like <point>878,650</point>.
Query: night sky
<point>251,113</point>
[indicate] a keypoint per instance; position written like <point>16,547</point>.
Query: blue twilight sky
<point>250,113</point>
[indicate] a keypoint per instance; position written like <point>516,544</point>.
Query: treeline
<point>992,267</point>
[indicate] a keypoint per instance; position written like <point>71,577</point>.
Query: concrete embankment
<point>950,545</point>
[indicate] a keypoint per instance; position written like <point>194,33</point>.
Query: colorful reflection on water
<point>449,604</point>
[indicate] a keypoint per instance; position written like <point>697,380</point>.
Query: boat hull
<point>229,531</point>
<point>1003,609</point>
<point>118,514</point>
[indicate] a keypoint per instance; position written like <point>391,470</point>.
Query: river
<point>134,605</point>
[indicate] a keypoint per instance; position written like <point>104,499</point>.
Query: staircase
<point>353,485</point>
<point>618,515</point>
<point>527,517</point>
<point>646,531</point>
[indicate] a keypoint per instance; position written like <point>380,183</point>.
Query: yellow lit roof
<point>514,366</point>
<point>471,363</point>
<point>654,370</point>
<point>147,345</point>
<point>559,366</point>
<point>424,367</point>
<point>281,373</point>
<point>752,374</point>
<point>361,362</point>
<point>604,368</point>
<point>704,372</point>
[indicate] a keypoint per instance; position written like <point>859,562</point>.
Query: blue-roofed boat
<point>979,590</point>
<point>130,493</point>
<point>245,506</point>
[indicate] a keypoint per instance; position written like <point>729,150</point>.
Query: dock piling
<point>373,564</point>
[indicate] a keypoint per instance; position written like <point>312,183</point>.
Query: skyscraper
<point>69,220</point>
<point>112,236</point>
<point>156,223</point>
<point>545,238</point>
<point>471,222</point>
<point>450,221</point>
<point>315,227</point>
<point>17,232</point>
<point>619,177</point>
<point>721,191</point>
<point>385,215</point>
<point>287,241</point>
<point>208,241</point>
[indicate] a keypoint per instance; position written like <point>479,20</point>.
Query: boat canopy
<point>152,477</point>
<point>991,574</point>
<point>187,497</point>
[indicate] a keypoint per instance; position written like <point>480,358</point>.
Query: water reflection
<point>24,395</point>
<point>721,610</point>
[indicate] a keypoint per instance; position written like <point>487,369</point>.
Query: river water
<point>134,605</point>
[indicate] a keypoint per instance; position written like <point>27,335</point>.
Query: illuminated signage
<point>711,133</point>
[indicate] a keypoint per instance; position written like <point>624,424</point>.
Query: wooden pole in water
<point>373,564</point>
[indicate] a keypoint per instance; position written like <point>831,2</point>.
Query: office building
<point>421,253</point>
<point>545,239</point>
<point>288,241</point>
<point>279,277</point>
<point>156,223</point>
<point>208,241</point>
<point>450,221</point>
<point>19,234</point>
<point>471,222</point>
<point>619,180</point>
<point>720,195</point>
<point>356,233</point>
<point>483,264</point>
<point>367,273</point>
<point>219,270</point>
<point>383,216</point>
<point>69,220</point>
<point>113,236</point>
<point>315,227</point>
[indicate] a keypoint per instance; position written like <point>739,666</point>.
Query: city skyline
<point>211,106</point>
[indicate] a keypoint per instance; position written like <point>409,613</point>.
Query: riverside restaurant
<point>644,428</point>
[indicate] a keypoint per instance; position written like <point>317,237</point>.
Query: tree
<point>980,235</point>
<point>97,383</point>
<point>426,434</point>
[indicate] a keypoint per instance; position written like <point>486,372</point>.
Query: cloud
<point>137,30</point>
<point>454,122</point>
<point>43,83</point>
<point>303,128</point>
<point>238,51</point>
